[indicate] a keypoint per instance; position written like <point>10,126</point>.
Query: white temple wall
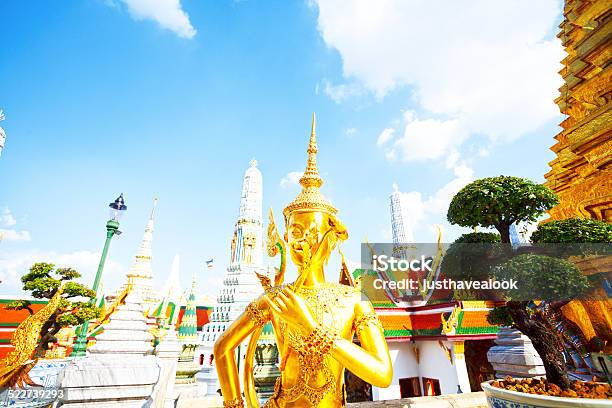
<point>435,364</point>
<point>404,366</point>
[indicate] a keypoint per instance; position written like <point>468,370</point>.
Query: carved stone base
<point>514,355</point>
<point>108,381</point>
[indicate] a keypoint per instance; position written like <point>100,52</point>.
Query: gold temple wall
<point>581,174</point>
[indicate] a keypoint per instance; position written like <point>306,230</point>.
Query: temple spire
<point>310,197</point>
<point>142,263</point>
<point>153,209</point>
<point>311,176</point>
<point>250,200</point>
<point>2,134</point>
<point>171,293</point>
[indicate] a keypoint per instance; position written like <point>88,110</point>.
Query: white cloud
<point>14,235</point>
<point>7,219</point>
<point>169,14</point>
<point>385,136</point>
<point>481,73</point>
<point>429,139</point>
<point>424,212</point>
<point>13,265</point>
<point>350,132</point>
<point>483,152</point>
<point>291,179</point>
<point>341,92</point>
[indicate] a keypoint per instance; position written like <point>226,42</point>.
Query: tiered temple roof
<point>464,320</point>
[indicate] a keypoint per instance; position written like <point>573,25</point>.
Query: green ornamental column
<point>112,228</point>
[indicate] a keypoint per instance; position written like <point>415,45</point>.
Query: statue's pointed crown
<point>310,198</point>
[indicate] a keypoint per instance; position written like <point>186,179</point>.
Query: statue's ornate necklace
<point>325,302</point>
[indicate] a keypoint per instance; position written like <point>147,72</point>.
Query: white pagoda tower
<point>140,274</point>
<point>2,134</point>
<point>399,216</point>
<point>240,285</point>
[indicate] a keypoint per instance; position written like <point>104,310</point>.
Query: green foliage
<point>74,289</point>
<point>573,230</point>
<point>498,202</point>
<point>75,308</point>
<point>82,312</point>
<point>467,257</point>
<point>542,277</point>
<point>20,305</point>
<point>479,238</point>
<point>499,316</point>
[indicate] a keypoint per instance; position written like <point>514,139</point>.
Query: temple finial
<point>153,209</point>
<point>310,198</point>
<point>311,175</point>
<point>313,129</point>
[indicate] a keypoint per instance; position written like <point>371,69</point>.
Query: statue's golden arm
<point>255,316</point>
<point>370,361</point>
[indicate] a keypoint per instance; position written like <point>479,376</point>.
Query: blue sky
<point>172,99</point>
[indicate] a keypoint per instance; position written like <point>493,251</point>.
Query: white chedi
<point>240,284</point>
<point>119,370</point>
<point>127,331</point>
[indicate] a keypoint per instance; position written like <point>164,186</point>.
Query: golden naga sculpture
<point>15,367</point>
<point>314,321</point>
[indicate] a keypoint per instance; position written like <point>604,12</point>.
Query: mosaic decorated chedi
<point>188,337</point>
<point>240,285</point>
<point>401,233</point>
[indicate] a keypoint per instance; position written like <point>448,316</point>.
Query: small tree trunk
<point>504,231</point>
<point>545,341</point>
<point>45,336</point>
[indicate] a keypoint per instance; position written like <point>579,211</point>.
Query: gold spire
<point>311,175</point>
<point>310,198</point>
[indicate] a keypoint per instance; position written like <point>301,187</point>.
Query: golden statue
<point>314,321</point>
<point>15,367</point>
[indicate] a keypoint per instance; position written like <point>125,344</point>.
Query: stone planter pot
<point>500,398</point>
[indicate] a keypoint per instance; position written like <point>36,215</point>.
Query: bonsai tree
<point>499,202</point>
<point>582,237</point>
<point>469,258</point>
<point>544,278</point>
<point>43,281</point>
<point>573,230</point>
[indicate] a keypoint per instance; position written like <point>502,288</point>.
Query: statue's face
<point>304,232</point>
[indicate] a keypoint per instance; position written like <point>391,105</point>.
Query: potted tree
<point>498,202</point>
